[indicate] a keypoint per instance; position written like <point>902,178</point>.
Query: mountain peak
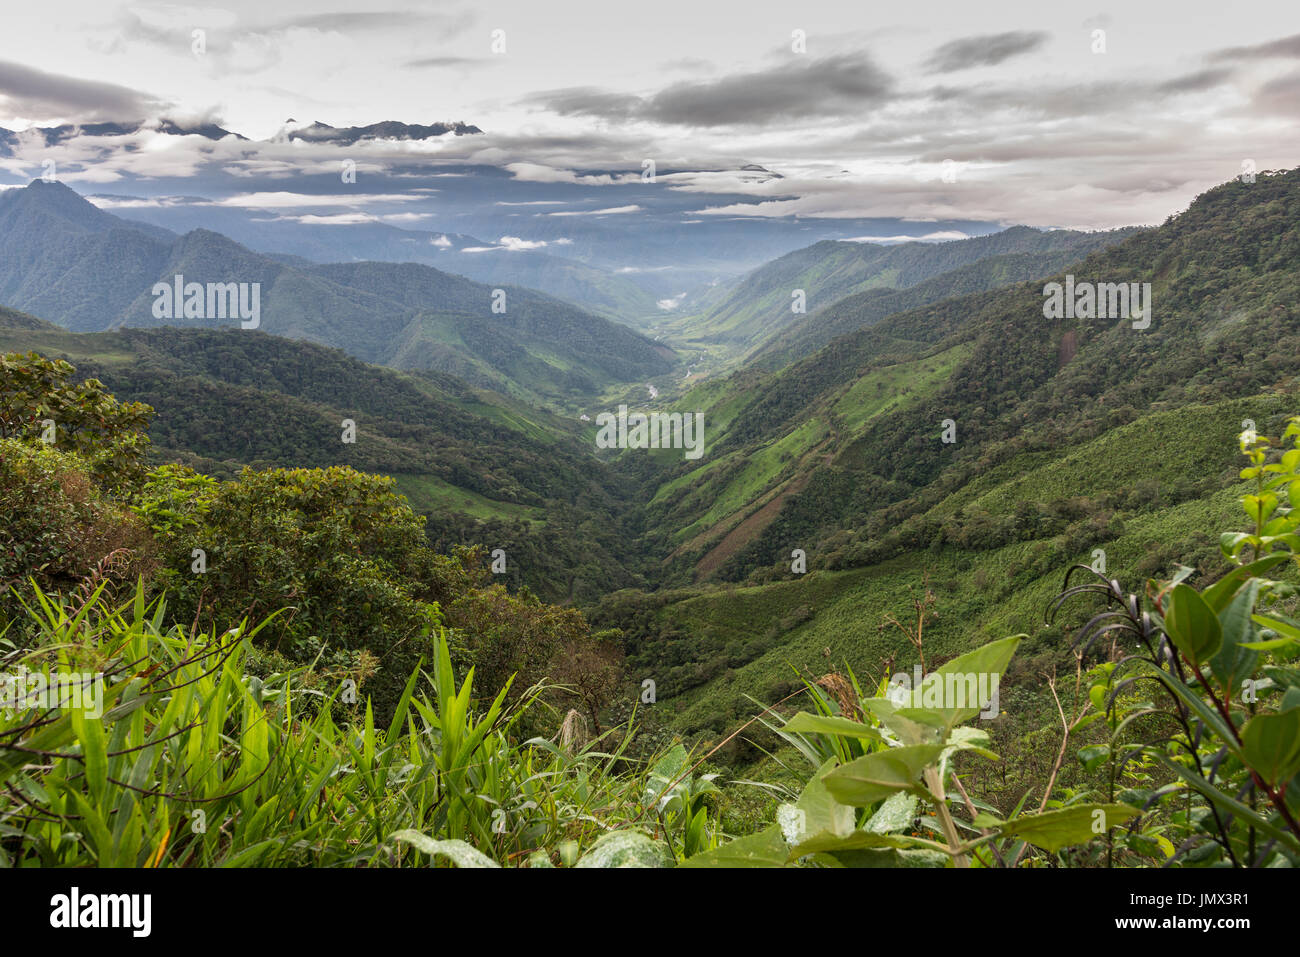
<point>320,132</point>
<point>56,198</point>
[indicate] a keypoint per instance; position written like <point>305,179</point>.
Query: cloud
<point>441,62</point>
<point>512,244</point>
<point>333,219</point>
<point>538,173</point>
<point>1197,82</point>
<point>405,217</point>
<point>943,235</point>
<point>1287,47</point>
<point>446,24</point>
<point>984,50</point>
<point>1279,97</point>
<point>830,86</point>
<point>608,211</point>
<point>31,92</point>
<point>799,89</point>
<point>515,244</point>
<point>136,202</point>
<point>1072,101</point>
<point>284,200</point>
<point>590,101</point>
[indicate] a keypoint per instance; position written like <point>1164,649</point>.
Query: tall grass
<point>194,761</point>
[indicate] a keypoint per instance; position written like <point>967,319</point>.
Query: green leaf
<point>1072,825</point>
<point>806,723</point>
<point>874,777</point>
<point>627,849</point>
<point>857,841</point>
<point>1092,757</point>
<point>1228,804</point>
<point>1289,631</point>
<point>892,858</point>
<point>1271,745</point>
<point>1234,661</point>
<point>816,812</point>
<point>1195,702</point>
<point>912,726</point>
<point>895,814</point>
<point>1192,625</point>
<point>460,853</point>
<point>765,849</point>
<point>963,687</point>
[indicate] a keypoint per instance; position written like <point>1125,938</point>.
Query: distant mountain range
<point>627,297</point>
<point>65,260</point>
<point>316,132</point>
<point>755,312</point>
<point>54,135</point>
<point>388,130</point>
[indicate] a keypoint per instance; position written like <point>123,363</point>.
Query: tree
<point>38,403</point>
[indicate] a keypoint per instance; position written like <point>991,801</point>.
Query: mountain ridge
<point>88,270</point>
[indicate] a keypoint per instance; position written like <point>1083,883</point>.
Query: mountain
<point>387,130</point>
<point>1077,440</point>
<point>811,446</point>
<point>64,259</point>
<point>808,334</point>
<point>624,297</point>
<point>744,314</point>
<point>315,133</point>
<point>54,135</point>
<point>485,469</point>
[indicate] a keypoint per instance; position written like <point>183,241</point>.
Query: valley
<point>827,438</point>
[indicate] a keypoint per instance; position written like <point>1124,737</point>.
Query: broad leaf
<point>1072,825</point>
<point>1192,625</point>
<point>806,723</point>
<point>874,777</point>
<point>765,849</point>
<point>627,849</point>
<point>460,853</point>
<point>1271,745</point>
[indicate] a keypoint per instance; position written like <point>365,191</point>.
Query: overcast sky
<point>1036,126</point>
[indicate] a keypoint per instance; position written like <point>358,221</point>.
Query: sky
<point>1060,114</point>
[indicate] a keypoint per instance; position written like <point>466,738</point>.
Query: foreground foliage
<point>194,761</point>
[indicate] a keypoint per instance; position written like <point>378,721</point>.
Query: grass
<point>747,641</point>
<point>881,390</point>
<point>429,494</point>
<point>195,760</point>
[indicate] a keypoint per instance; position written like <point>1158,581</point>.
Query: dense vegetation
<point>226,400</point>
<point>183,755</point>
<point>754,313</point>
<point>291,605</point>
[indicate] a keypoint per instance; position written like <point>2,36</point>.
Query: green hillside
<point>1011,381</point>
<point>487,470</point>
<point>994,553</point>
<point>1077,442</point>
<point>754,314</point>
